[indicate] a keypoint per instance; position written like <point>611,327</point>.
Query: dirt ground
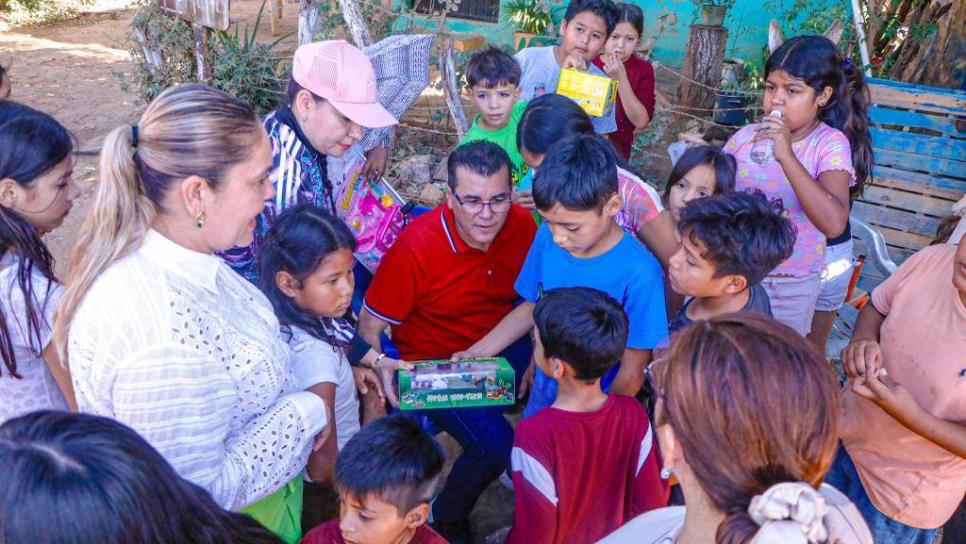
<point>74,70</point>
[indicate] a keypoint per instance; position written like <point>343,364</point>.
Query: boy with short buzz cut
<point>386,475</point>
<point>729,243</point>
<point>493,78</point>
<point>587,464</point>
<point>580,244</point>
<point>584,31</point>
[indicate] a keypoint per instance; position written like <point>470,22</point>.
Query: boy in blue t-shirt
<point>580,244</point>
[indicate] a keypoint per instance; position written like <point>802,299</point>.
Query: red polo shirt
<point>439,294</point>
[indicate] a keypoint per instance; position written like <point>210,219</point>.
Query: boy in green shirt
<point>493,78</point>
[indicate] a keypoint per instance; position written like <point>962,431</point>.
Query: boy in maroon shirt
<point>586,464</point>
<point>386,476</point>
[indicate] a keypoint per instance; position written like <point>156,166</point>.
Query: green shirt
<point>506,138</point>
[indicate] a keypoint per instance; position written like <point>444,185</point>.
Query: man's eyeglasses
<point>498,204</point>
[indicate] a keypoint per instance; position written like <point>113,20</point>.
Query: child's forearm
<point>630,376</point>
<point>826,210</point>
<point>946,434</point>
<point>633,107</point>
<point>868,324</point>
<point>513,326</point>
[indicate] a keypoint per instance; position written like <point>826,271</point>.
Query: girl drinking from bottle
<point>819,148</point>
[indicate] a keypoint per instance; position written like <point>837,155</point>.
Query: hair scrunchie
<point>789,512</point>
<point>134,136</point>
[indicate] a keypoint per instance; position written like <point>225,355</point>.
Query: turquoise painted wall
<point>747,23</point>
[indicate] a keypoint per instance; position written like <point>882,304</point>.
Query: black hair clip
<point>134,136</point>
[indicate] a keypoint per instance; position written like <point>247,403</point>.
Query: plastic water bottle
<point>763,150</point>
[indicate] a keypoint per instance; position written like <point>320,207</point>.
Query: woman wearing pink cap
<point>332,96</point>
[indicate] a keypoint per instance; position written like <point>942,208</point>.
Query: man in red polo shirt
<point>445,283</point>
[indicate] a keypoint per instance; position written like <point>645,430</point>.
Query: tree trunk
<point>356,23</point>
<point>150,50</point>
<point>702,64</point>
<point>309,20</point>
<point>202,59</point>
<point>451,88</point>
<point>917,62</point>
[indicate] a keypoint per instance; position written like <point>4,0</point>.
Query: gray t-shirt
<point>541,74</point>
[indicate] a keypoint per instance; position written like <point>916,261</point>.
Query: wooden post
<point>702,64</point>
<point>356,23</point>
<point>276,15</point>
<point>451,88</point>
<point>202,59</point>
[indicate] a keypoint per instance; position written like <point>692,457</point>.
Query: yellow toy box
<point>595,94</point>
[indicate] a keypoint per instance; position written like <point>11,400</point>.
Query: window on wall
<point>476,10</point>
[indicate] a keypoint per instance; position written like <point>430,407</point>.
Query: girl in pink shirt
<point>822,149</point>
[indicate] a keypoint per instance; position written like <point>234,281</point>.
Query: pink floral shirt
<point>825,149</point>
<point>641,204</point>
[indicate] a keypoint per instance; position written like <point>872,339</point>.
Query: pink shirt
<point>923,342</point>
<point>823,150</point>
<point>641,203</point>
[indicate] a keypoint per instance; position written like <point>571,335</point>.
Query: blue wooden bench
<point>919,139</point>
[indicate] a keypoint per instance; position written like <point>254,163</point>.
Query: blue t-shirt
<point>628,272</point>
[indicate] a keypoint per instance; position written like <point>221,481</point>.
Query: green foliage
<point>530,16</point>
<point>240,65</point>
<point>25,12</point>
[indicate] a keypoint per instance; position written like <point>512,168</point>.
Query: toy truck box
<point>595,94</point>
<point>464,384</point>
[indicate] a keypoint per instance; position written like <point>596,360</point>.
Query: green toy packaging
<point>464,384</point>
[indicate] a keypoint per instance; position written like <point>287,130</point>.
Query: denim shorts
<point>835,277</point>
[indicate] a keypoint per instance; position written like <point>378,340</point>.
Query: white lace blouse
<point>36,388</point>
<point>179,347</point>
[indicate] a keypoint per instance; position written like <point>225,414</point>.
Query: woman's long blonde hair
<point>187,130</point>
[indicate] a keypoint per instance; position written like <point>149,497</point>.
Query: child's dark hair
<point>602,8</point>
<point>298,241</point>
<point>722,163</point>
<point>579,173</point>
<point>480,157</point>
<point>584,327</point>
<point>85,478</point>
<point>492,67</point>
<point>392,459</point>
<point>742,233</point>
<point>817,61</point>
<point>31,144</point>
<point>549,118</point>
<point>630,14</point>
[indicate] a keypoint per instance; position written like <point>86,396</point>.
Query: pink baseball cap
<point>342,74</point>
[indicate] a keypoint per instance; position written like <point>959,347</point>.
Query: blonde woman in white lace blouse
<point>160,333</point>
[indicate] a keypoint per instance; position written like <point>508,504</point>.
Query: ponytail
<point>187,130</point>
<point>116,223</point>
<point>737,527</point>
<point>817,61</point>
<point>854,91</point>
<point>32,143</point>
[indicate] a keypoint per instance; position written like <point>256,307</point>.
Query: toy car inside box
<point>464,384</point>
<point>595,94</point>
